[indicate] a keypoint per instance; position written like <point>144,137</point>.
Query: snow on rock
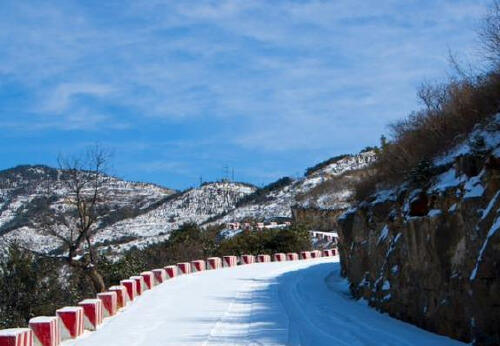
<point>383,234</point>
<point>446,180</point>
<point>473,188</point>
<point>494,228</point>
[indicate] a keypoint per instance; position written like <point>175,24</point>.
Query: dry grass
<point>451,111</point>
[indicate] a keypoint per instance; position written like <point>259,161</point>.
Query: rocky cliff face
<point>430,255</point>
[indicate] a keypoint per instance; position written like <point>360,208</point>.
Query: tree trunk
<point>97,280</point>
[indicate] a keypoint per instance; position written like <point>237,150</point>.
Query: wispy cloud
<point>65,95</point>
<point>268,76</point>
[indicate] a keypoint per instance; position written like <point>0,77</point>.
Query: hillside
<point>195,205</point>
<point>136,212</point>
<point>141,214</point>
<point>323,188</point>
<point>25,191</point>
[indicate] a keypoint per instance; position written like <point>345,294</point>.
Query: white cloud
<point>298,72</point>
<point>63,95</point>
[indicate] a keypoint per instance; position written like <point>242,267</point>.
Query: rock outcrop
<point>430,255</point>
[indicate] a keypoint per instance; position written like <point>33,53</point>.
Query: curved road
<point>280,303</point>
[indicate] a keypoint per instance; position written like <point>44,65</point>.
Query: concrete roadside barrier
<point>315,254</point>
<point>131,288</point>
<point>160,275</point>
<point>279,257</point>
<point>46,331</point>
<point>92,312</point>
<point>71,318</point>
<point>214,263</point>
<point>198,266</point>
<point>248,259</point>
<point>305,255</point>
<point>292,256</point>
<point>171,271</point>
<point>184,268</point>
<point>16,337</point>
<point>230,261</point>
<point>109,303</point>
<point>149,279</point>
<point>140,285</point>
<point>121,295</point>
<point>327,253</point>
<point>263,258</point>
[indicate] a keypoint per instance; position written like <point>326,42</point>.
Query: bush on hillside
<point>325,163</point>
<point>35,286</point>
<point>451,112</point>
<point>294,239</point>
<point>260,195</point>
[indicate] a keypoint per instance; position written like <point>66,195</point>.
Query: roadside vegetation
<point>35,285</point>
<point>450,111</point>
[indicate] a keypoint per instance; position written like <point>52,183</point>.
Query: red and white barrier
<point>16,337</point>
<point>248,259</point>
<point>160,275</point>
<point>149,279</point>
<point>121,295</point>
<point>198,266</point>
<point>46,331</point>
<point>140,285</point>
<point>71,321</point>
<point>131,287</point>
<point>305,255</point>
<point>315,254</point>
<point>184,268</point>
<point>230,261</point>
<point>328,253</point>
<point>214,263</point>
<point>171,271</point>
<point>292,256</point>
<point>109,303</point>
<point>92,312</point>
<point>263,258</point>
<point>279,257</point>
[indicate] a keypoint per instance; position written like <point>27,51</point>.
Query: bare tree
<point>490,34</point>
<point>83,181</point>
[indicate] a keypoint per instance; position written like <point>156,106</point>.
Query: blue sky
<point>179,89</point>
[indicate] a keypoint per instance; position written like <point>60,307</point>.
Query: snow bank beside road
<point>278,303</point>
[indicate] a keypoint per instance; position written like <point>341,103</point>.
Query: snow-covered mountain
<point>327,187</point>
<point>195,205</point>
<point>27,190</point>
<point>139,214</point>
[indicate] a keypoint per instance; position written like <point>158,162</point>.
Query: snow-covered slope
<point>324,188</point>
<point>280,303</point>
<point>27,190</point>
<point>141,214</point>
<point>195,205</point>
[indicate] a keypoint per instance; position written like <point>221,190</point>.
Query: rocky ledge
<point>430,255</point>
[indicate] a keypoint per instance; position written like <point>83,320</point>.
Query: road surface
<point>279,303</point>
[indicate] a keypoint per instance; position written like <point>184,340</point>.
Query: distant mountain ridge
<point>140,214</point>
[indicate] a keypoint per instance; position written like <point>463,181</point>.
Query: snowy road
<point>280,303</point>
